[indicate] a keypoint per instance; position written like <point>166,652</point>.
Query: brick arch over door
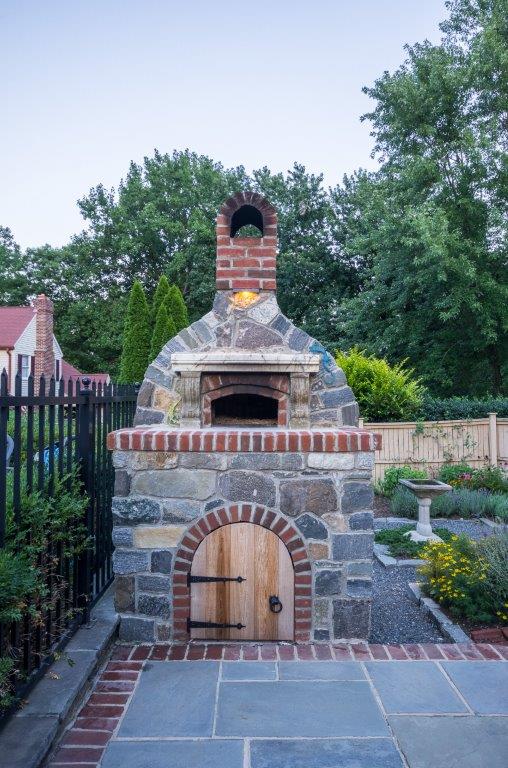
<point>243,513</point>
<point>247,200</point>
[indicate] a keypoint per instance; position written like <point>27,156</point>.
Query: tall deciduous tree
<point>136,338</point>
<point>163,331</point>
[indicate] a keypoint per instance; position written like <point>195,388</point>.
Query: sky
<point>86,86</point>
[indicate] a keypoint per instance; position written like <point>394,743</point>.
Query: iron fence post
<point>85,448</point>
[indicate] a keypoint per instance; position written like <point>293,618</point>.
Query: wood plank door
<point>261,558</point>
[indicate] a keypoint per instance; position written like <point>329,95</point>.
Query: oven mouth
<point>245,410</point>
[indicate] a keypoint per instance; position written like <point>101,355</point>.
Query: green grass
<point>401,545</point>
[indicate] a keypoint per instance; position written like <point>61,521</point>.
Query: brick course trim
<point>244,440</point>
<point>245,513</point>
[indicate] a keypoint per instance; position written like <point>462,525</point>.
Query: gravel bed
<point>396,618</point>
<point>476,529</point>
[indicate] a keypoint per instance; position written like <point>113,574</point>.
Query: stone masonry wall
<point>326,497</point>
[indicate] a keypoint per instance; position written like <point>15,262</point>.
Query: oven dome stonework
<point>205,452</point>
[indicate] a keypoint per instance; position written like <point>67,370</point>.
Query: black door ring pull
<point>275,604</point>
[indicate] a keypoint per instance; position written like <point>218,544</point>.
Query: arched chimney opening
<point>247,216</point>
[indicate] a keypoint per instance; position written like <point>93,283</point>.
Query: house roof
<point>13,321</point>
<point>70,372</point>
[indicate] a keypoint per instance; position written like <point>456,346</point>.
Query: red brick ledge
<point>244,440</point>
<point>87,737</point>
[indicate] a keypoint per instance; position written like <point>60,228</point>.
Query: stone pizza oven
<point>243,506</point>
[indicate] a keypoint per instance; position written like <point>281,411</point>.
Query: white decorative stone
<point>264,311</point>
<point>158,537</point>
<point>364,460</point>
<point>331,460</point>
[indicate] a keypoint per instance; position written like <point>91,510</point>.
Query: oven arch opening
<point>245,409</point>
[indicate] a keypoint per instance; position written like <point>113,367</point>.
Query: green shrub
<point>176,307</point>
<point>384,392</point>
<point>136,337</point>
<point>19,583</point>
<point>494,551</point>
<point>444,409</point>
<point>163,331</point>
<point>401,545</point>
<point>392,476</point>
<point>6,682</point>
<point>458,503</point>
<point>489,479</point>
<point>449,473</point>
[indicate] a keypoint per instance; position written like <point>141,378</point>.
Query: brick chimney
<point>246,263</point>
<point>44,354</point>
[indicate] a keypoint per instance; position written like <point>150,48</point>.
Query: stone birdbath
<point>425,491</point>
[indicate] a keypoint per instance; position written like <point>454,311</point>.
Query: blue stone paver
<point>417,687</point>
<point>483,685</point>
<point>316,714</point>
<point>206,753</point>
<point>249,670</point>
<point>173,699</point>
<point>299,708</point>
<point>320,670</point>
<point>325,753</point>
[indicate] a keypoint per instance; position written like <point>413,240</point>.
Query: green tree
<point>163,331</point>
<point>176,309</point>
<point>13,283</point>
<point>136,337</point>
<point>159,297</point>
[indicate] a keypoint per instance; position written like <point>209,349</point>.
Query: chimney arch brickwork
<point>176,471</point>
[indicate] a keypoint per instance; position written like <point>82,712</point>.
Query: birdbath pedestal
<point>425,491</point>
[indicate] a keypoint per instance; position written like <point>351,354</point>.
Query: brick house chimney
<point>44,354</point>
<point>246,263</point>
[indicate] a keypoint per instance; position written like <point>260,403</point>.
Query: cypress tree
<point>176,308</point>
<point>159,297</point>
<point>163,331</point>
<point>136,337</point>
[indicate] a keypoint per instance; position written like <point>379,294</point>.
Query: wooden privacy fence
<point>429,444</point>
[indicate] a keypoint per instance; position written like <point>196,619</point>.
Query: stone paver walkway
<point>283,706</point>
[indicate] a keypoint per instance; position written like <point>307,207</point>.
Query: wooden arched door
<point>263,574</point>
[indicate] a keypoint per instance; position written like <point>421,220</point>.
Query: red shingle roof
<point>70,372</point>
<point>13,321</point>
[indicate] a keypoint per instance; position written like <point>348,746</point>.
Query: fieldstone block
<point>221,305</point>
<point>323,418</point>
<point>154,605</point>
<point>136,630</point>
<point>154,583</point>
<point>359,569</point>
<point>146,416</point>
<point>264,311</point>
<point>331,460</point>
<point>210,319</point>
<point>321,635</point>
<point>120,459</point>
<point>134,510</point>
<point>317,496</point>
<point>321,612</point>
<point>224,334</point>
<point>188,339</point>
<point>157,376</point>
<point>130,561</point>
<point>214,504</point>
<point>175,483</point>
<point>180,510</point>
<point>124,594</point>
<point>311,527</point>
<point>253,336</point>
<point>161,562</point>
<point>364,460</point>
<point>163,632</point>
<point>318,551</point>
<point>332,398</point>
<point>336,522</point>
<point>145,394</point>
<point>352,546</point>
<point>203,332</point>
<point>122,537</point>
<point>299,340</point>
<point>165,400</point>
<point>122,482</point>
<point>153,460</point>
<point>247,486</point>
<point>334,378</point>
<point>361,521</point>
<point>173,345</point>
<point>359,587</point>
<point>203,460</point>
<point>357,496</point>
<point>281,324</point>
<point>327,583</point>
<point>350,415</point>
<point>351,619</point>
<point>160,536</point>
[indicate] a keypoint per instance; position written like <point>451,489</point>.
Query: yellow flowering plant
<point>456,575</point>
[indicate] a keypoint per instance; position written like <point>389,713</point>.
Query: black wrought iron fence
<point>56,485</point>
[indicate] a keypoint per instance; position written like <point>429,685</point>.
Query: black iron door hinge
<point>206,579</point>
<point>211,625</point>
